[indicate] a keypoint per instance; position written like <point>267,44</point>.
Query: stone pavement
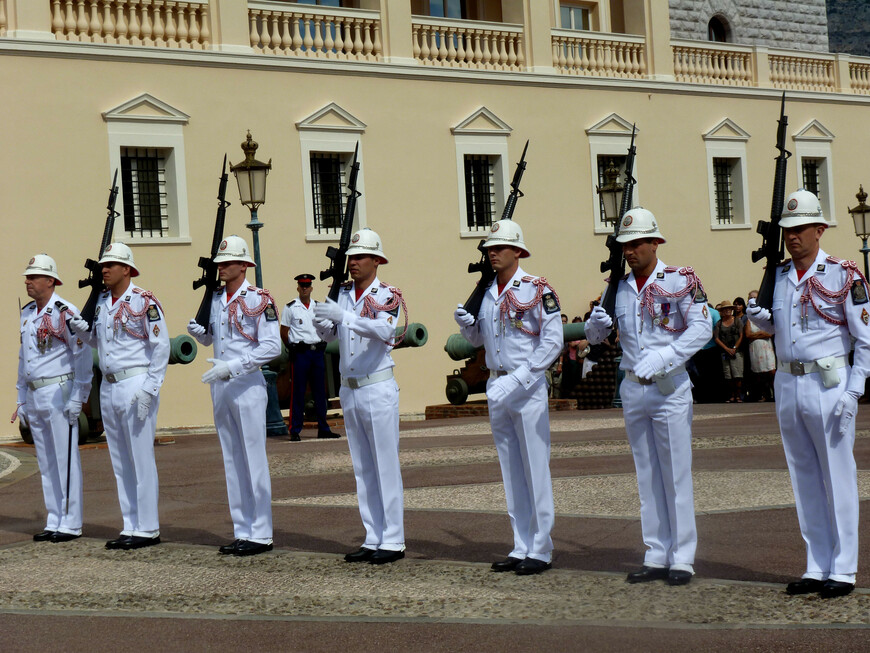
<point>181,595</point>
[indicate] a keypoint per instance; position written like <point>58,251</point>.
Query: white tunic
<point>300,320</point>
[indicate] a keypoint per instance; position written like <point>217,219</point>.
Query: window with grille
<point>479,191</point>
<point>724,186</point>
<point>574,17</point>
<point>143,179</point>
<point>328,181</point>
<point>811,175</point>
<point>604,162</point>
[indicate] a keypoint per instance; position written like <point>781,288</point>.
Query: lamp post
<point>862,223</point>
<point>251,177</point>
<point>610,195</point>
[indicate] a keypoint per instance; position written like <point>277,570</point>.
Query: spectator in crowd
<point>762,358</point>
<point>728,334</point>
<point>705,367</point>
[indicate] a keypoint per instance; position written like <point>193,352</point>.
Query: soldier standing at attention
<point>820,304</point>
<point>520,327</point>
<point>54,380</point>
<point>662,317</point>
<point>244,331</point>
<point>307,358</point>
<point>363,320</point>
<point>130,334</point>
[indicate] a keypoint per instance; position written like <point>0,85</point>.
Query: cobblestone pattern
<point>788,24</point>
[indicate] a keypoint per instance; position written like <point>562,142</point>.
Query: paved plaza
<point>183,596</point>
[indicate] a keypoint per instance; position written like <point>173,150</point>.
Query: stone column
<point>841,73</point>
<point>229,26</point>
<point>537,19</point>
<point>29,20</point>
<point>651,19</point>
<point>762,67</point>
<point>396,31</point>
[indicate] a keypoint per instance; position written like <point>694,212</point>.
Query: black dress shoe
<point>294,437</point>
<point>804,586</point>
<point>363,555</point>
<point>227,549</point>
<point>137,542</point>
<point>248,548</point>
<point>835,588</point>
<point>647,574</point>
<point>385,556</point>
<point>327,435</point>
<point>64,537</point>
<point>119,542</point>
<point>679,577</point>
<point>531,566</point>
<point>44,536</point>
<point>508,564</point>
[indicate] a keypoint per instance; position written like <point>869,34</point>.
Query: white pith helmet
<point>507,233</point>
<point>43,264</point>
<point>800,208</point>
<point>638,224</point>
<point>234,248</point>
<point>367,241</point>
<point>120,253</point>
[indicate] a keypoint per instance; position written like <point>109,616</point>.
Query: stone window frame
<point>727,140</point>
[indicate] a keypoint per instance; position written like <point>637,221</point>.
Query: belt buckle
<point>110,378</point>
<point>352,383</point>
<point>797,368</point>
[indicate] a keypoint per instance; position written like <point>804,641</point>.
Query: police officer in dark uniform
<point>307,358</point>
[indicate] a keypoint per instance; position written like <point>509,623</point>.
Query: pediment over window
<point>727,130</point>
<point>332,118</point>
<point>146,108</point>
<point>814,131</point>
<point>482,121</point>
<point>612,125</point>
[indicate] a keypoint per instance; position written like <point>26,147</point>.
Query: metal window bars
<point>328,186</point>
<point>479,191</point>
<point>143,183</point>
<point>810,169</point>
<point>722,170</point>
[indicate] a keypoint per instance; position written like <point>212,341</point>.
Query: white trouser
<point>823,473</point>
<point>521,431</point>
<point>660,434</point>
<point>240,420</point>
<point>51,437</point>
<point>131,446</point>
<point>371,418</point>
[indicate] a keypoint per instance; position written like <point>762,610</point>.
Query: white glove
<point>323,323</point>
<point>329,310</point>
<point>72,410</point>
<point>142,401</point>
<point>753,310</point>
<point>847,408</point>
<point>20,414</point>
<point>463,318</point>
<point>501,387</point>
<point>220,371</point>
<point>195,329</point>
<point>598,325</point>
<point>650,363</point>
<point>78,325</point>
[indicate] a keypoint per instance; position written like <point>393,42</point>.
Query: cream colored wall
<point>55,179</point>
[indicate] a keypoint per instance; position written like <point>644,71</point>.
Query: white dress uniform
<point>53,367</point>
<point>668,315</point>
<point>813,319</point>
<point>299,318</point>
<point>521,330</point>
<point>133,343</point>
<point>244,331</point>
<point>370,401</point>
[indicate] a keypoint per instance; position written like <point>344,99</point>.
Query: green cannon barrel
<point>182,350</point>
<point>417,336</point>
<point>458,348</point>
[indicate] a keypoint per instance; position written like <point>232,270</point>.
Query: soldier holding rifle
<point>54,379</point>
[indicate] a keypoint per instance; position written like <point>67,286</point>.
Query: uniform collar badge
<point>820,267</point>
<point>786,269</point>
<point>127,298</point>
<point>660,275</point>
<point>516,283</point>
<point>374,289</point>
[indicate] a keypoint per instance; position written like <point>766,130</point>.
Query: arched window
<point>717,30</point>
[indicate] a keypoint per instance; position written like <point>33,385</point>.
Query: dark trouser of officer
<point>309,365</point>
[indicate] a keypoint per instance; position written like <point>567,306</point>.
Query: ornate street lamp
<point>862,223</point>
<point>610,195</point>
<point>251,177</point>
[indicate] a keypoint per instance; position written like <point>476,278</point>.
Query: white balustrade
<point>702,63</point>
<point>598,55</point>
<point>313,31</point>
<point>150,23</point>
<point>802,72</point>
<point>859,77</point>
<point>467,44</point>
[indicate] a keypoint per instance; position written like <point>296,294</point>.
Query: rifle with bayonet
<point>95,270</point>
<point>337,256</point>
<point>487,274</point>
<point>615,264</point>
<point>210,277</point>
<point>771,249</point>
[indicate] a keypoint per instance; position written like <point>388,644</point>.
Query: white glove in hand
<point>195,329</point>
<point>221,370</point>
<point>72,410</point>
<point>78,325</point>
<point>463,318</point>
<point>650,363</point>
<point>142,401</point>
<point>847,408</point>
<point>329,310</point>
<point>501,387</point>
<point>322,323</point>
<point>598,325</point>
<point>753,310</point>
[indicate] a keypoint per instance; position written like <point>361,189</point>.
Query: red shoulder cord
<point>371,309</point>
<point>239,305</point>
<point>124,314</point>
<point>693,284</point>
<point>511,302</point>
<point>46,329</point>
<point>815,287</point>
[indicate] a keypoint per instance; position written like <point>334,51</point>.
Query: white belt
<point>799,368</point>
<point>631,376</point>
<point>494,373</point>
<point>49,380</point>
<point>354,382</point>
<point>114,377</point>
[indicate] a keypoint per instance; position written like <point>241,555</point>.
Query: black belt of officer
<point>304,346</point>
